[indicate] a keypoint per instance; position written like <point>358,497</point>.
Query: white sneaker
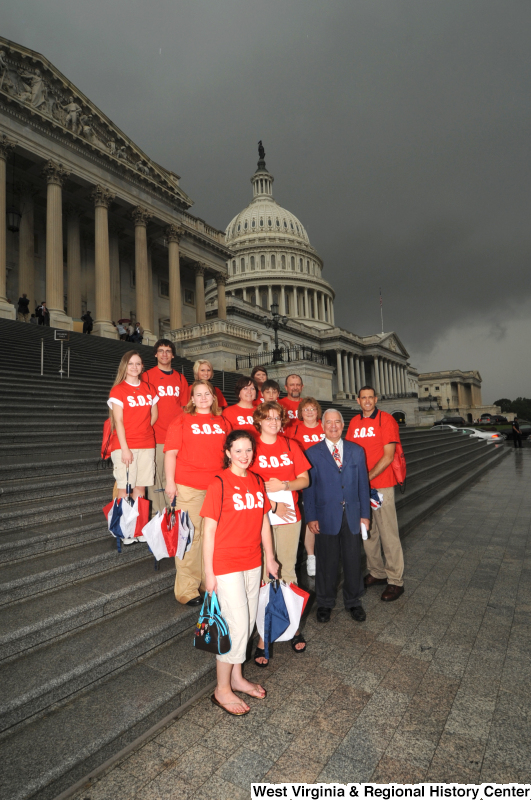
<point>140,539</point>
<point>310,566</point>
<point>128,541</point>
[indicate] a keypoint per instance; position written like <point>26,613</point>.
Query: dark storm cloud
<point>398,132</point>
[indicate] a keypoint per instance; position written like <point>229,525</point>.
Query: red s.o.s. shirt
<point>172,391</point>
<point>238,505</point>
<point>240,419</point>
<point>372,433</point>
<point>136,402</point>
<point>199,439</point>
<point>305,436</point>
<point>283,460</point>
<point>291,406</point>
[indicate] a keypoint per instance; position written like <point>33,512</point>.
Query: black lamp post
<point>276,322</point>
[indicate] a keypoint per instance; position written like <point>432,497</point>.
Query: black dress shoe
<point>195,601</point>
<point>358,614</point>
<point>323,614</point>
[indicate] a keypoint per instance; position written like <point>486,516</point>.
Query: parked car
<point>447,428</point>
<point>492,418</point>
<point>488,436</point>
<point>457,422</point>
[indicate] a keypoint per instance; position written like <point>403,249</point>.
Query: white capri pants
<point>238,600</point>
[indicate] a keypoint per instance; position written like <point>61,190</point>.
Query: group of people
<point>241,473</point>
<point>41,316</point>
<point>129,332</point>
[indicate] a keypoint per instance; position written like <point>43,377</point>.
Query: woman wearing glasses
<point>307,430</point>
<point>284,468</point>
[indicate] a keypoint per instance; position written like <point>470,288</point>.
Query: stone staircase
<point>94,648</point>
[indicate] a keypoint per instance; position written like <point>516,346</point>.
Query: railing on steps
<point>295,353</point>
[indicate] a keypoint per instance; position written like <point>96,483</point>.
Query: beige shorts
<point>141,471</point>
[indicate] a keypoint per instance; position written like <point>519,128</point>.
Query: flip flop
<point>216,702</point>
<point>256,696</point>
<point>260,653</point>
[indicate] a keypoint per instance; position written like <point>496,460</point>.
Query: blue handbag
<point>211,630</point>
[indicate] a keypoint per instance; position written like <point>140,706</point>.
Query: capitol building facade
<point>91,222</point>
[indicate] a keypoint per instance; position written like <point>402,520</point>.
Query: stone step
<point>32,469</point>
<point>412,514</point>
<point>64,508</point>
<point>52,672</point>
<point>20,543</point>
<point>60,485</point>
<point>39,764</point>
<point>441,464</point>
<point>44,617</point>
<point>427,457</point>
<point>50,570</point>
<point>15,450</point>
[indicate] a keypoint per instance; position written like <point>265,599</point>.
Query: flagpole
<point>381,310</point>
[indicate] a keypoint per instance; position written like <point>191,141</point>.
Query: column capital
<point>221,279</point>
<point>102,196</point>
<point>55,173</point>
<point>141,216</point>
<point>200,268</point>
<point>7,146</point>
<point>173,233</point>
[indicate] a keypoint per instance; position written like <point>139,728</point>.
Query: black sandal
<point>260,653</point>
<point>298,639</point>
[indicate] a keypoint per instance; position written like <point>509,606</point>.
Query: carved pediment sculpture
<point>29,79</point>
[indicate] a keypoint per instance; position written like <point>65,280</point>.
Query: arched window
<point>252,263</point>
<point>269,222</point>
<point>242,265</point>
<point>261,223</point>
<point>308,267</point>
<point>253,224</point>
<point>273,262</point>
<point>283,262</point>
<point>262,262</point>
<point>278,223</point>
<point>239,226</point>
<point>245,225</point>
<point>234,267</point>
<point>285,224</point>
<point>293,263</point>
<point>300,265</point>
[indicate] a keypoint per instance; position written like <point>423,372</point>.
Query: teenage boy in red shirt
<point>171,387</point>
<point>377,432</point>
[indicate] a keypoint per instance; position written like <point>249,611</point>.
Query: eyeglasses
<point>309,408</point>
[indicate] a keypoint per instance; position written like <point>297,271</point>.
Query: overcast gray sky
<point>398,131</point>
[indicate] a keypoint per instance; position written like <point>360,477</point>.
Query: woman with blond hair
<point>284,468</point>
<point>307,430</point>
<point>204,371</point>
<point>193,454</point>
<point>133,412</point>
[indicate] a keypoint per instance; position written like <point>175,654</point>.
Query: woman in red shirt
<point>284,468</point>
<point>193,454</point>
<point>259,375</point>
<point>204,371</point>
<point>307,431</point>
<point>236,527</point>
<point>240,416</point>
<point>133,412</point>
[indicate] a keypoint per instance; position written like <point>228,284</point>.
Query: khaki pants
<point>158,498</point>
<point>238,600</point>
<point>190,572</point>
<point>384,536</point>
<point>23,317</point>
<point>285,546</point>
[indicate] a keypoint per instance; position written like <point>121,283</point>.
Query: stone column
<point>346,378</point>
<point>332,315</point>
<point>173,235</point>
<point>357,370</point>
<point>141,217</point>
<point>461,397</point>
<point>315,306</point>
<point>200,309</point>
<point>386,374</point>
<point>283,300</point>
<point>7,310</point>
<point>402,381</point>
<point>73,261</point>
<point>340,390</point>
<point>323,314</point>
<point>115,232</point>
<point>353,387</point>
<point>393,377</point>
<point>55,176</point>
<point>153,321</point>
<point>306,304</point>
<point>382,380</point>
<point>244,294</point>
<point>221,280</point>
<point>26,246</point>
<point>376,376</point>
<point>269,297</point>
<point>103,326</point>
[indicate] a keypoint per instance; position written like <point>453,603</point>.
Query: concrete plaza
<point>433,687</point>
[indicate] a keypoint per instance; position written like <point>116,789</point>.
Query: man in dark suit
<point>336,502</point>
